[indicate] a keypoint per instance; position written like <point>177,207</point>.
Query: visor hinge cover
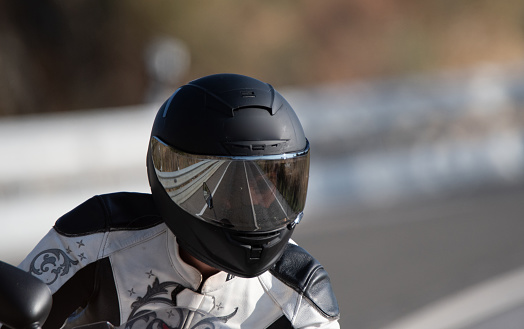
<point>256,253</point>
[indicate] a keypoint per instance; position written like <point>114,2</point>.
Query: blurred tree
<point>60,55</point>
<point>64,55</point>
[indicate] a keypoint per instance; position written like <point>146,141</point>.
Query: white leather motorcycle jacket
<point>112,258</point>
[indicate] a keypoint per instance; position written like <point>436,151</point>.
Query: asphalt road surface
<point>388,262</point>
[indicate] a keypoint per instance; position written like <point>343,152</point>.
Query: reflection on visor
<point>242,193</point>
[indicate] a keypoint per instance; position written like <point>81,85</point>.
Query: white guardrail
<point>182,184</point>
<point>372,142</point>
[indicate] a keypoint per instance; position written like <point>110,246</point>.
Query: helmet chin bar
<point>247,260</point>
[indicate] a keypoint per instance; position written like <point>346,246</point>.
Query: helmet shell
<point>225,115</point>
<point>228,114</point>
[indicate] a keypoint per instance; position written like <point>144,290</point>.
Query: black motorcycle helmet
<point>228,166</point>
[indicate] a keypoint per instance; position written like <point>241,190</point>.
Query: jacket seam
<point>275,301</point>
<point>133,241</point>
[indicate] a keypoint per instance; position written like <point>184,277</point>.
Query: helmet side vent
<point>259,147</point>
<point>256,147</point>
<point>248,94</point>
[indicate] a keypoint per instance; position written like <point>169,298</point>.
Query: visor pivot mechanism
<point>294,223</point>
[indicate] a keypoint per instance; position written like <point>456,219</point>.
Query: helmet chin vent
<point>253,238</point>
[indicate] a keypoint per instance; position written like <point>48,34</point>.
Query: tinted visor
<point>252,193</point>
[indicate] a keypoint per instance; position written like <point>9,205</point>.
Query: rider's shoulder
<point>110,212</point>
<point>304,274</point>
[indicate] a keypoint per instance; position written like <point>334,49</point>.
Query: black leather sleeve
<point>299,270</point>
<point>88,297</point>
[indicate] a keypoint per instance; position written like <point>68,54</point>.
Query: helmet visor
<point>251,193</point>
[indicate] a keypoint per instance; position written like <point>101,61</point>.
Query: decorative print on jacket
<point>171,316</point>
<point>53,262</point>
<point>175,318</point>
<point>153,296</point>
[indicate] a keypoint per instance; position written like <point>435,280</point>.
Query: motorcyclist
<point>228,166</point>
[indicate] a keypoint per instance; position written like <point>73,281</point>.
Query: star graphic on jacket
<point>80,243</point>
<point>68,250</point>
<point>131,292</point>
<point>150,274</point>
<point>170,314</point>
<point>82,256</point>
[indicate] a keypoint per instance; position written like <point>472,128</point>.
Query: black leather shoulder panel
<point>110,212</point>
<point>299,270</point>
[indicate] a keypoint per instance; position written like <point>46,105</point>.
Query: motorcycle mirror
<point>25,301</point>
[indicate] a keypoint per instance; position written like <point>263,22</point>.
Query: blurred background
<point>414,110</point>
